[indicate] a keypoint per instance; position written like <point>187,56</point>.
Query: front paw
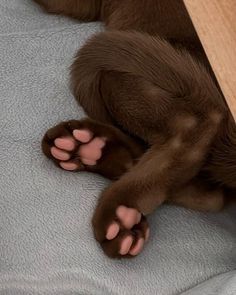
<point>121,230</point>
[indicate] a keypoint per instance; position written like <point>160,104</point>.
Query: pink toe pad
<point>66,143</point>
<point>98,143</point>
<point>121,212</point>
<point>88,162</point>
<point>126,245</point>
<point>69,166</point>
<point>112,231</point>
<point>83,136</point>
<point>59,154</point>
<point>137,248</point>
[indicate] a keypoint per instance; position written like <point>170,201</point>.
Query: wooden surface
<point>215,22</point>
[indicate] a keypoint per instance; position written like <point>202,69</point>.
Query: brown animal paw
<point>88,145</point>
<point>122,232</point>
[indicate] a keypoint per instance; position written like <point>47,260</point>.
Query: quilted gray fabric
<point>46,241</point>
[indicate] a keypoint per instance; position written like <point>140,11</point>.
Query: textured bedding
<point>46,241</point>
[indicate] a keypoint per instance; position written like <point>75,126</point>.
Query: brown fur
<point>83,10</point>
<point>177,138</point>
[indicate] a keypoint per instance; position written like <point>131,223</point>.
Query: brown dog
<point>159,125</point>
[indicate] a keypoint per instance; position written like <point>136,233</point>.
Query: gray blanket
<point>46,241</point>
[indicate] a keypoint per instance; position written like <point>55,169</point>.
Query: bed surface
<point>46,241</point>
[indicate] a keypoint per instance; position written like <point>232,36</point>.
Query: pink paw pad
<point>90,149</point>
<point>93,150</point>
<point>83,136</point>
<point>128,216</point>
<point>66,143</point>
<point>126,245</point>
<point>112,231</point>
<point>59,154</point>
<point>69,166</point>
<point>137,248</point>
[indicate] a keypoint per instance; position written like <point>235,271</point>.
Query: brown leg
<point>119,154</point>
<point>86,10</point>
<point>161,96</point>
<point>118,223</point>
<point>164,168</point>
<point>200,196</point>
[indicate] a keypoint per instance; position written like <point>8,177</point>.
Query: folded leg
<point>163,169</point>
<point>199,195</point>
